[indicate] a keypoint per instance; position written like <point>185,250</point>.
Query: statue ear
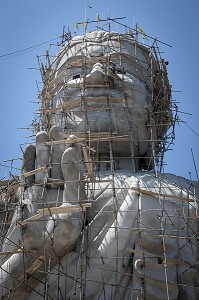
<point>28,163</point>
<point>74,186</point>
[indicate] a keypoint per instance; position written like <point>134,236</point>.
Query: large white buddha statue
<point>96,220</point>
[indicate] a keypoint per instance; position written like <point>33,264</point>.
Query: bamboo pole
<point>54,210</point>
<point>150,193</point>
<point>89,164</point>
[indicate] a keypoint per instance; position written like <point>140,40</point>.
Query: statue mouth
<point>105,109</point>
<point>92,98</point>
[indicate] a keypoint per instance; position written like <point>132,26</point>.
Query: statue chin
<point>93,219</point>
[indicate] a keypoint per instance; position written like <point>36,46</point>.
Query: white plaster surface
<point>138,240</point>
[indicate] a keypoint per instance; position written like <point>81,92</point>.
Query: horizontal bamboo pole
<point>33,172</point>
<point>54,210</point>
<point>150,193</point>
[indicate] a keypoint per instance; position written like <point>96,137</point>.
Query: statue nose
<point>96,75</point>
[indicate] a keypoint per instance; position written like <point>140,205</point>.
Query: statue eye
<point>76,76</point>
<point>119,71</point>
<point>160,260</point>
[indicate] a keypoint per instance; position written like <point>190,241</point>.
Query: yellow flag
<point>143,33</point>
<point>84,23</point>
<point>98,17</point>
<point>76,26</point>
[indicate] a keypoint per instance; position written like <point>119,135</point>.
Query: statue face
<point>105,84</point>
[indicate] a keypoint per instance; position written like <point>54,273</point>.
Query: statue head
<point>105,82</point>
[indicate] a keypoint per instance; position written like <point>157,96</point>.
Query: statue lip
<point>91,92</point>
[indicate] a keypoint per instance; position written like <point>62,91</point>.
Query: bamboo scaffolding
<point>151,193</point>
<point>63,107</point>
<point>89,164</point>
<point>177,261</point>
<point>54,210</point>
<point>17,249</point>
<point>162,119</point>
<point>35,266</point>
<point>33,172</point>
<point>80,140</point>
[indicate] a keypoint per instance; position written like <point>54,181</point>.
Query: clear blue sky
<point>26,23</point>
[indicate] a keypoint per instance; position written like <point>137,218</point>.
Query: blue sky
<point>26,23</point>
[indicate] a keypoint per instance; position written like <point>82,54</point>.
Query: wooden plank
<point>54,181</point>
<point>89,164</point>
<point>79,140</point>
<point>65,141</point>
<point>91,134</point>
<point>27,174</point>
<point>18,251</point>
<point>54,210</point>
<point>150,193</point>
<point>36,264</point>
